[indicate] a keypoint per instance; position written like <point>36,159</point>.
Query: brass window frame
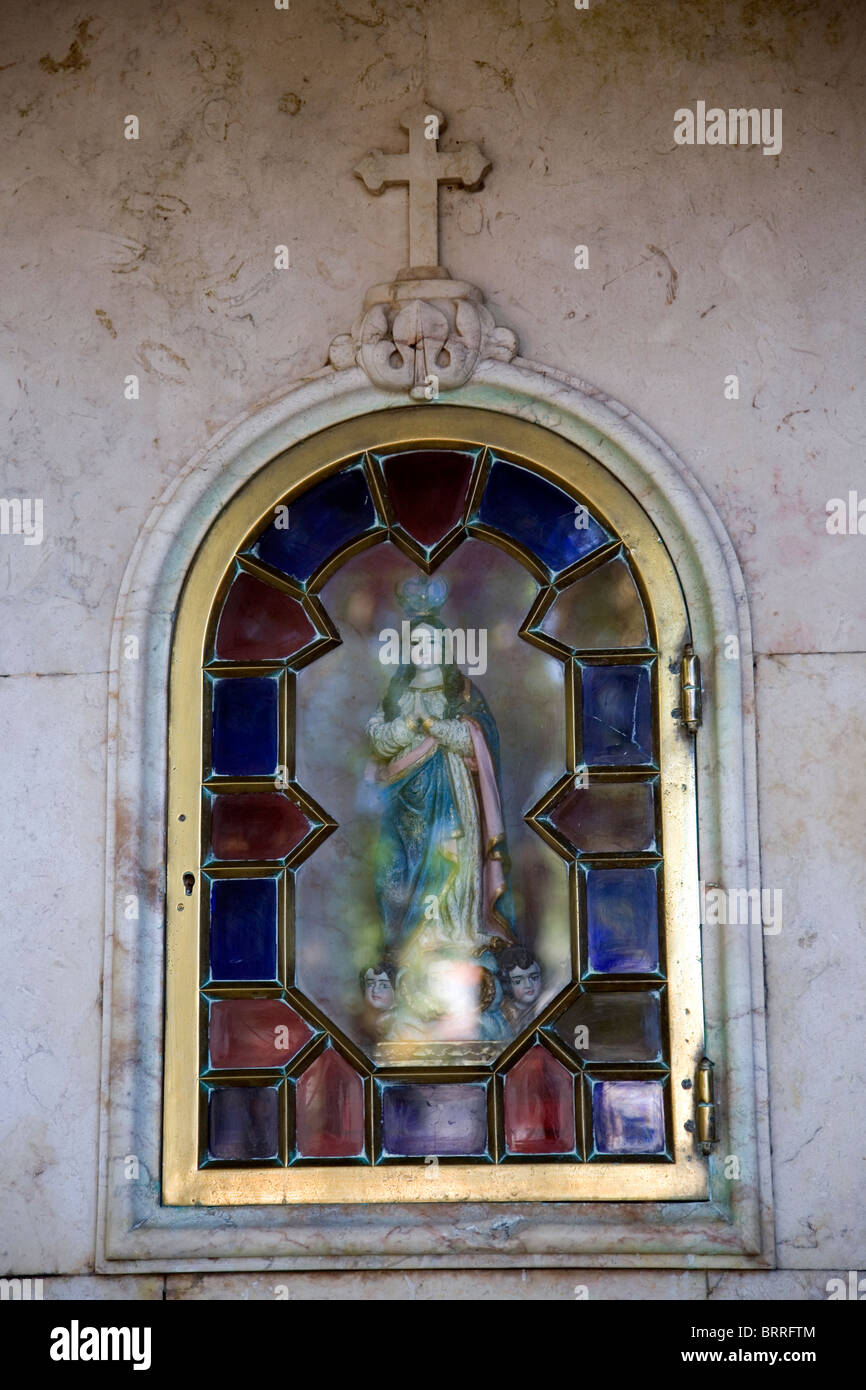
<point>295,469</point>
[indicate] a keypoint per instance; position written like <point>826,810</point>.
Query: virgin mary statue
<point>441,863</point>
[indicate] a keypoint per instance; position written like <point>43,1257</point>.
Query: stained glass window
<point>430,882</point>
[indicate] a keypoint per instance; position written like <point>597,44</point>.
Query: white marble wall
<point>155,257</point>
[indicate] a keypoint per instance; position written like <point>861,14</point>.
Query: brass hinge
<point>705,1105</point>
<point>691,690</point>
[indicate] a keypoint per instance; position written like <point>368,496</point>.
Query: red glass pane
<point>428,491</point>
<point>259,623</point>
<point>255,1033</point>
<point>330,1109</point>
<point>257,825</point>
<point>539,1105</point>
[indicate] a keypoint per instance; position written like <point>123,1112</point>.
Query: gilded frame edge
<point>184,1183</point>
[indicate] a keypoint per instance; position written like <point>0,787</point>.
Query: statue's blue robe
<point>419,818</point>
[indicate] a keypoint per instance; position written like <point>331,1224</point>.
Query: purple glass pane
<point>435,1119</point>
<point>242,1122</point>
<point>628,1117</point>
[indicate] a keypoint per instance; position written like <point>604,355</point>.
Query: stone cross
<point>423,169</point>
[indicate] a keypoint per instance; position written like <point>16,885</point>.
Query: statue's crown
<point>419,597</point>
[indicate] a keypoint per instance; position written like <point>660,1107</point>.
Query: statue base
<point>424,1053</point>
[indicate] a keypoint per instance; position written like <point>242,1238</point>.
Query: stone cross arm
<point>423,168</point>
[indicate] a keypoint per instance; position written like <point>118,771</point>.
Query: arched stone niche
<point>733,1227</point>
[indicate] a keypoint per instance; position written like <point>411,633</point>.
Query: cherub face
<point>525,984</point>
<point>378,990</point>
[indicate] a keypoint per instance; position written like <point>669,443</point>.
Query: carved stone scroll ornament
<point>424,332</point>
<point>423,336</point>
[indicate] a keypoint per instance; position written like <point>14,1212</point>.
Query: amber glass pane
<point>614,1026</point>
<point>601,610</point>
<point>539,1105</point>
<point>607,819</point>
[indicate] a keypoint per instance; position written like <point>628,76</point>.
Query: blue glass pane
<point>617,715</point>
<point>539,515</point>
<point>243,929</point>
<point>622,920</point>
<point>628,1117</point>
<point>319,522</point>
<point>245,726</point>
<point>437,1119</point>
<point>242,1122</point>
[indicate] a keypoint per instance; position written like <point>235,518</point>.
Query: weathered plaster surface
<point>810,713</point>
<point>155,257</point>
<point>54,795</point>
<point>519,1285</point>
<point>446,1286</point>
